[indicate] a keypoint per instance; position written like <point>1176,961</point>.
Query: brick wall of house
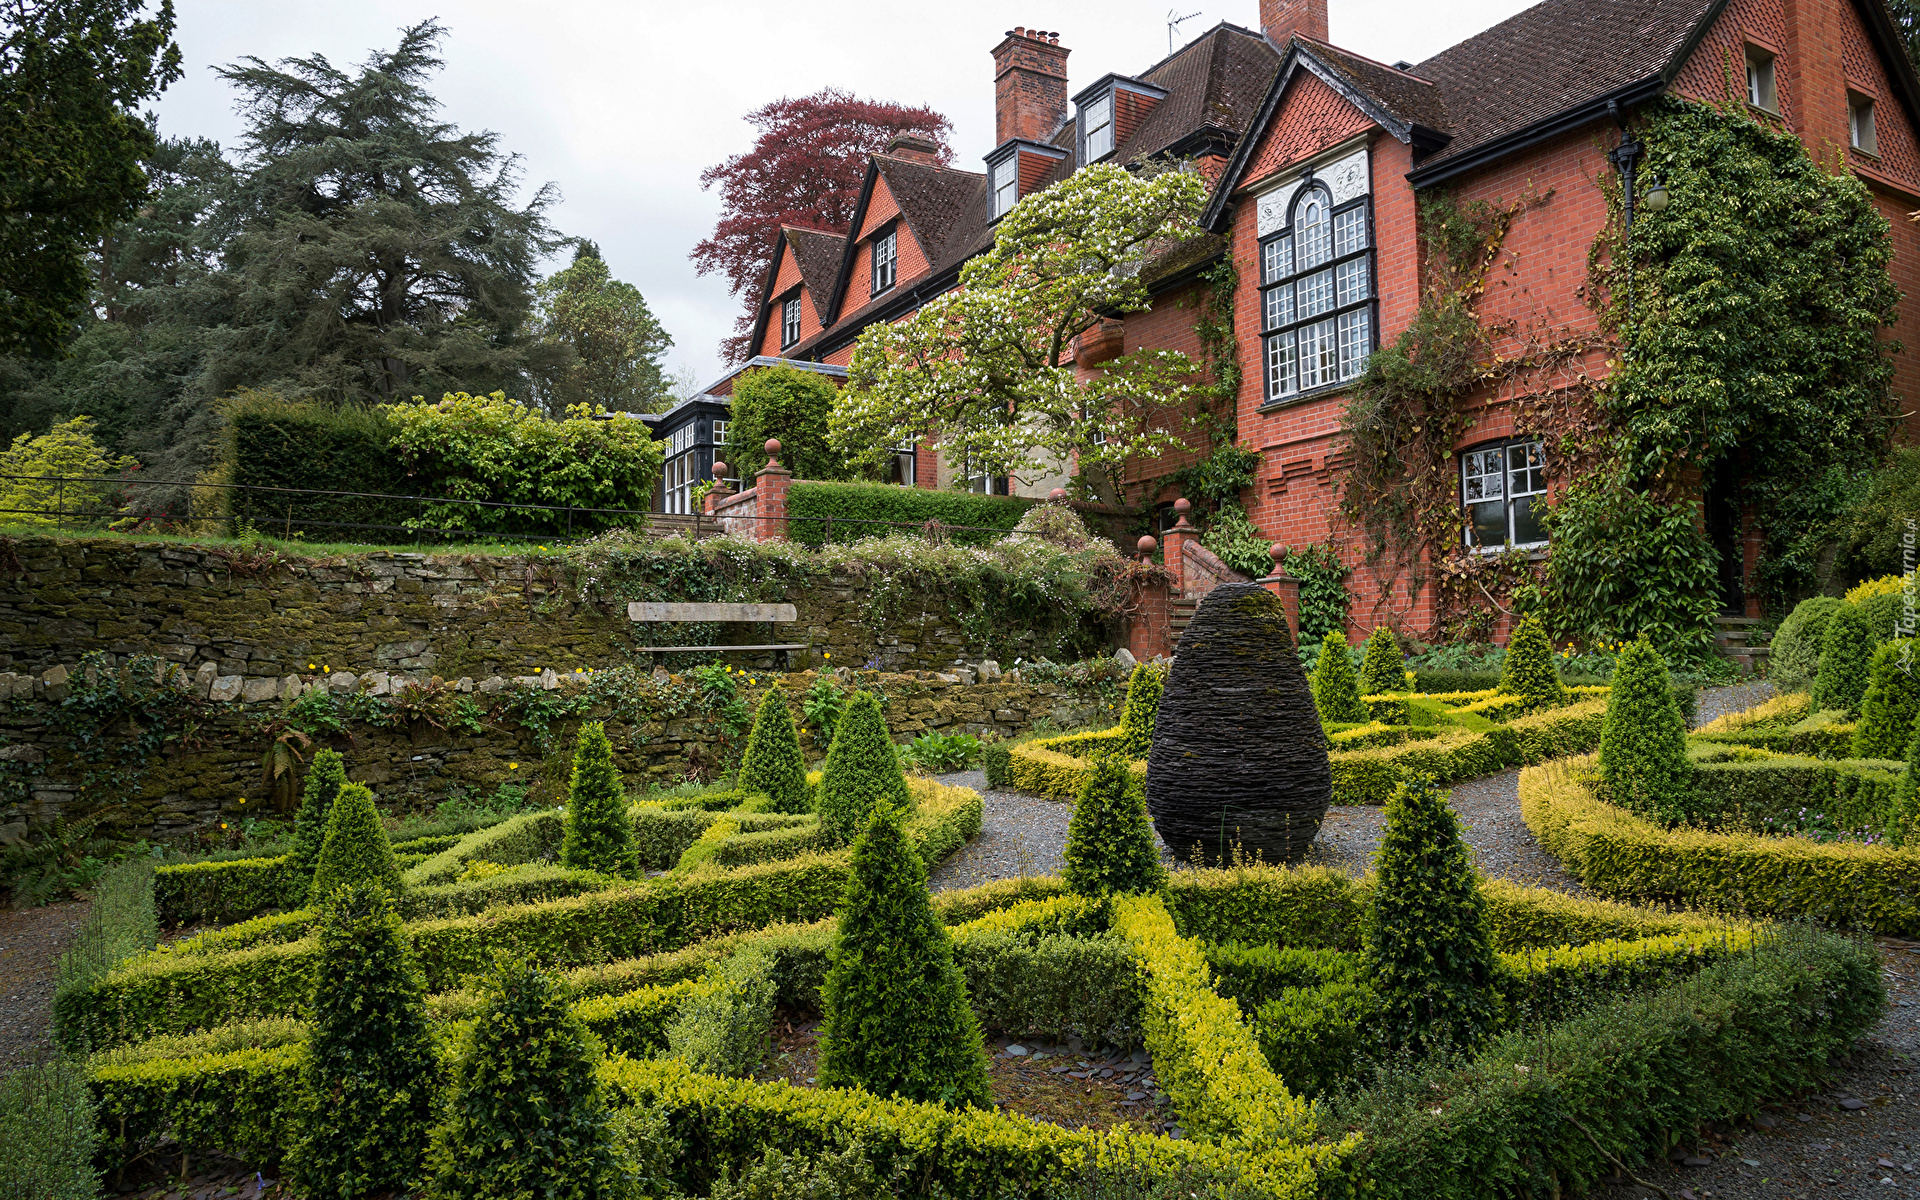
<point>912,261</point>
<point>785,279</point>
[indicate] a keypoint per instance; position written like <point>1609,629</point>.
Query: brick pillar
<point>1286,587</point>
<point>718,492</point>
<point>1150,632</point>
<point>1177,539</point>
<point>770,487</point>
<point>1751,545</point>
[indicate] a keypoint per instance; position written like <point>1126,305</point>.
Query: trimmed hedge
<point>525,838</point>
<point>1615,853</point>
<point>222,892</point>
<point>1857,794</point>
<point>1370,776</point>
<point>809,504</point>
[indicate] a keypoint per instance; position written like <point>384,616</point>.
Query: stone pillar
<point>1177,539</point>
<point>718,492</point>
<point>770,490</point>
<point>1150,632</point>
<point>1286,587</point>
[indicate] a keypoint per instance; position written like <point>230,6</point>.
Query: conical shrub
<point>1643,740</point>
<point>898,1022</point>
<point>1846,654</point>
<point>526,1118</point>
<point>773,763</point>
<point>1528,670</point>
<point>1892,702</point>
<point>1427,949</point>
<point>325,778</point>
<point>356,848</point>
<point>1143,706</point>
<point>369,1083</point>
<point>1336,691</point>
<point>1384,668</point>
<point>599,833</point>
<point>862,772</point>
<point>1110,844</point>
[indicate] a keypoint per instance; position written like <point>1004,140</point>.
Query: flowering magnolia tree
<point>979,370</point>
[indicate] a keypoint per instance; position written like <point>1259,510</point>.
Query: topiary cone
<point>369,1083</point>
<point>898,1021</point>
<point>1143,705</point>
<point>1643,741</point>
<point>1336,692</point>
<point>527,1116</point>
<point>325,778</point>
<point>1892,701</point>
<point>1528,670</point>
<point>1427,948</point>
<point>1110,846</point>
<point>1846,654</point>
<point>599,833</point>
<point>773,763</point>
<point>862,772</point>
<point>356,849</point>
<point>1384,669</point>
<point>1239,756</point>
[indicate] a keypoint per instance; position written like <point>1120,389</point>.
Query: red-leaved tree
<point>805,168</point>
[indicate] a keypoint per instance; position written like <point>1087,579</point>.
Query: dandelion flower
<point>311,667</point>
<point>513,766</point>
<point>223,824</point>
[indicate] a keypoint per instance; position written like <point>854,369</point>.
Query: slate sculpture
<point>1238,756</point>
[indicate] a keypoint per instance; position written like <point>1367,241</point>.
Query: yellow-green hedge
<point>1038,768</point>
<point>1370,776</point>
<point>1616,853</point>
<point>1204,1055</point>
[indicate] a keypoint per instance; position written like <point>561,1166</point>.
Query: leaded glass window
<point>1317,295</point>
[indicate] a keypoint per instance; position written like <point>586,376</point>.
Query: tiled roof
<point>817,253</point>
<point>932,199</point>
<point>1411,99</point>
<point>1554,57</point>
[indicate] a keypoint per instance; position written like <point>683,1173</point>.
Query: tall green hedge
<point>1892,702</point>
<point>809,504</point>
<point>1845,654</point>
<point>1643,744</point>
<point>275,442</point>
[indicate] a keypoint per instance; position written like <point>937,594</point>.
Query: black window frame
<point>790,320</point>
<point>1534,467</point>
<point>891,237</point>
<point>1367,254</point>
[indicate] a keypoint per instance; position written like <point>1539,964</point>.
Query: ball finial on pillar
<point>719,471</point>
<point>1181,508</point>
<point>1057,494</point>
<point>773,451</point>
<point>1147,545</point>
<point>1276,552</point>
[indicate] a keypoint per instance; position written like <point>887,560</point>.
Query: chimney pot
<point>1029,85</point>
<point>914,147</point>
<point>1281,19</point>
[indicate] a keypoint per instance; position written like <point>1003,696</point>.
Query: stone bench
<point>679,612</point>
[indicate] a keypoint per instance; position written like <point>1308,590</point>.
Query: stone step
<point>1726,622</point>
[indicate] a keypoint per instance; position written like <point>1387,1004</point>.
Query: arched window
<point>1317,297</point>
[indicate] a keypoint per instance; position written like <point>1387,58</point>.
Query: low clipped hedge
<point>662,835</point>
<point>1857,794</point>
<point>809,504</point>
<point>1785,725</point>
<point>1616,853</point>
<point>527,837</point>
<point>223,892</point>
<point>1369,776</point>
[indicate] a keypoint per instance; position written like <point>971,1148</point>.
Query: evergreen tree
<point>1336,692</point>
<point>1643,741</point>
<point>1528,670</point>
<point>1427,947</point>
<point>1845,655</point>
<point>599,833</point>
<point>1906,796</point>
<point>325,777</point>
<point>604,342</point>
<point>356,848</point>
<point>1143,707</point>
<point>862,772</point>
<point>773,763</point>
<point>789,404</point>
<point>1892,702</point>
<point>369,1080</point>
<point>1383,669</point>
<point>527,1119</point>
<point>1110,843</point>
<point>897,1022</point>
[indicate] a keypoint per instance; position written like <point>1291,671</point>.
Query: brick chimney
<point>1281,19</point>
<point>915,148</point>
<point>1029,85</point>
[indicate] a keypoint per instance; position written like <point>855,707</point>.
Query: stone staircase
<point>1182,617</point>
<point>1734,636</point>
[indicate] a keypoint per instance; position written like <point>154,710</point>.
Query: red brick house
<point>1316,156</point>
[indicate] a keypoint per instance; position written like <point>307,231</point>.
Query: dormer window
<point>1096,120</point>
<point>790,321</point>
<point>1006,185</point>
<point>885,260</point>
<point>1760,81</point>
<point>1860,132</point>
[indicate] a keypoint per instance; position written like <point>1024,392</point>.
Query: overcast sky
<point>623,105</point>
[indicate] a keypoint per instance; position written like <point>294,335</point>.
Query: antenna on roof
<point>1174,23</point>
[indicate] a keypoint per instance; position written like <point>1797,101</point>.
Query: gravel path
<point>31,943</point>
<point>1019,835</point>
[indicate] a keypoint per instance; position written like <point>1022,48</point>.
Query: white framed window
<point>885,260</point>
<point>1006,184</point>
<point>1503,489</point>
<point>1317,298</point>
<point>719,433</point>
<point>790,321</point>
<point>1860,131</point>
<point>1760,81</point>
<point>1096,121</point>
<point>677,483</point>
